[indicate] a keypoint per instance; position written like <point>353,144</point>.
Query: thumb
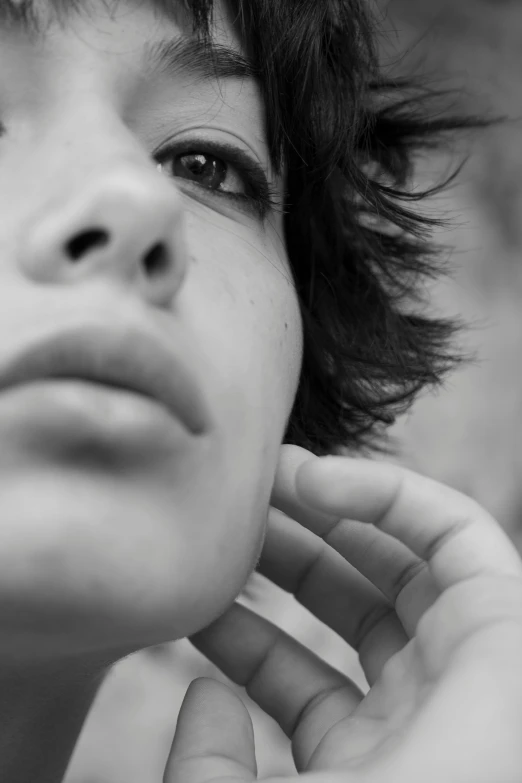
<point>214,737</point>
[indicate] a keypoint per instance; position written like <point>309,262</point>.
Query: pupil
<point>206,170</point>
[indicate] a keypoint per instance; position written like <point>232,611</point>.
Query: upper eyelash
<point>266,195</point>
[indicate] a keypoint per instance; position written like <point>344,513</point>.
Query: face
<point>129,217</point>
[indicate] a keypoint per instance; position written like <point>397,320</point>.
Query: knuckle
<point>370,621</point>
<point>406,576</point>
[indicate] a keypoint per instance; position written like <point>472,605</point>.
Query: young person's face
<point>117,521</point>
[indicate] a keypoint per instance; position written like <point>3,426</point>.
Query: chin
<point>107,576</point>
<point>94,560</point>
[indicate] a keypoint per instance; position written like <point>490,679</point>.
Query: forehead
<point>218,54</point>
<point>162,49</point>
<point>34,19</point>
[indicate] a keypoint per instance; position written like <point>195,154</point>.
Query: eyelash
<point>260,196</point>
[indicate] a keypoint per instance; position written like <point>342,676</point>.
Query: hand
<point>424,584</point>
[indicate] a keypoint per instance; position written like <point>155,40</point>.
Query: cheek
<point>246,315</point>
<point>243,310</point>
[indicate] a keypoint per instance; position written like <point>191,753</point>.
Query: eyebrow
<point>202,59</point>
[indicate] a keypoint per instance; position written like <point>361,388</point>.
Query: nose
<point>127,224</point>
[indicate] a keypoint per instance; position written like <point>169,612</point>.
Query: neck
<point>42,711</point>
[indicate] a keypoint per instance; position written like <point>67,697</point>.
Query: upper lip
<point>126,357</point>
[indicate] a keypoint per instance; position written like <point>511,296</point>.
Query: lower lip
<point>67,411</point>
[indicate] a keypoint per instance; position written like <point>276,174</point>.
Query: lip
<point>121,357</point>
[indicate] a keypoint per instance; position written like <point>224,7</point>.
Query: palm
<point>475,667</point>
<point>380,717</point>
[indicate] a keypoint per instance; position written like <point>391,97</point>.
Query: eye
<point>205,169</point>
<point>224,171</point>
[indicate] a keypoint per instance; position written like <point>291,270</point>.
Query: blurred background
<point>466,435</point>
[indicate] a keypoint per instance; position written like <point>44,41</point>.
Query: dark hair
<point>347,137</point>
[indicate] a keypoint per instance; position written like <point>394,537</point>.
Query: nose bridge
<point>103,209</point>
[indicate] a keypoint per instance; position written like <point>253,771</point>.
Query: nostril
<point>157,259</point>
<point>85,242</point>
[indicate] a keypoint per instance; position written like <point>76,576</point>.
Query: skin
<point>418,578</point>
<point>115,539</point>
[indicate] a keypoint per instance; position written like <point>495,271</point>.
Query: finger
<point>298,689</point>
<point>449,530</point>
<point>214,739</point>
<point>389,564</point>
<point>400,575</point>
<point>286,498</point>
<point>333,590</point>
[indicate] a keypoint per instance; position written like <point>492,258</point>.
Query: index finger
<point>450,531</point>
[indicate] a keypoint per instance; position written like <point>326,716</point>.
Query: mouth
<point>122,357</point>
